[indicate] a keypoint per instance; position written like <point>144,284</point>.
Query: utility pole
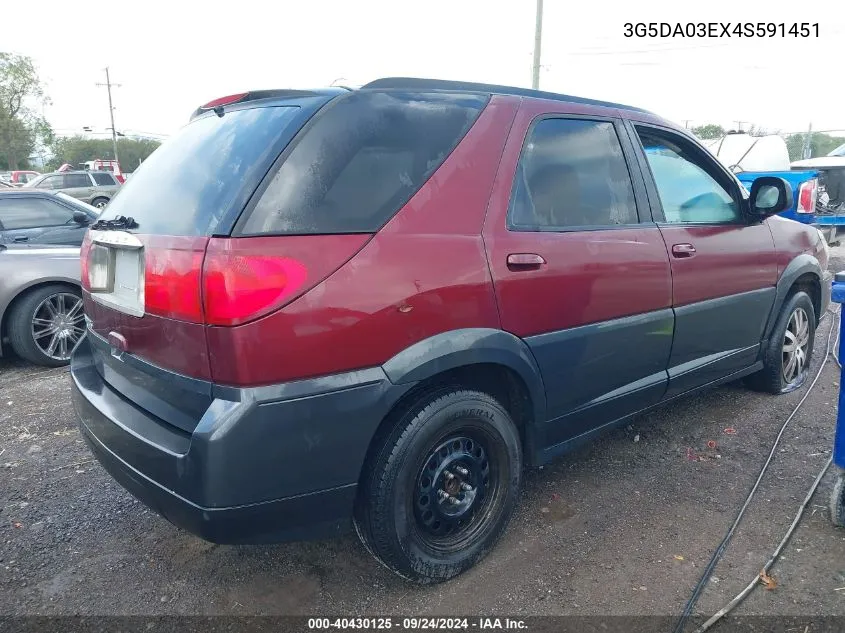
<point>686,123</point>
<point>807,150</point>
<point>538,36</point>
<point>108,86</point>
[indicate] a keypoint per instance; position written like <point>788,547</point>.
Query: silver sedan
<point>41,315</point>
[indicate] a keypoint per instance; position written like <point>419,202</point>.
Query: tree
<point>21,128</point>
<point>709,131</point>
<point>820,145</point>
<point>79,149</point>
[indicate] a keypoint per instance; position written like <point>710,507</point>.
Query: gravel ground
<point>623,526</point>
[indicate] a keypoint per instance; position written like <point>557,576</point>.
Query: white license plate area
<point>116,277</point>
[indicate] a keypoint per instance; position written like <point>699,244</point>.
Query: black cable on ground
<point>717,555</point>
<point>757,579</point>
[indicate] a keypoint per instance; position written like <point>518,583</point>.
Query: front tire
<point>442,486</point>
<point>786,359</point>
<point>100,203</point>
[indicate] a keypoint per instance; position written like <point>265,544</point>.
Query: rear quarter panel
<point>424,273</point>
<point>27,267</point>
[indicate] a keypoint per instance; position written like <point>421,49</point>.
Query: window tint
<point>103,178</point>
<point>572,173</point>
<point>77,180</point>
<point>200,172</point>
<point>688,193</point>
<point>28,213</point>
<point>362,159</point>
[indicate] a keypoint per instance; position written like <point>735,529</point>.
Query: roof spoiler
<point>217,105</point>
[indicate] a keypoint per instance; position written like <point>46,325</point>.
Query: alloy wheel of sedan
<point>795,342</point>
<point>58,324</point>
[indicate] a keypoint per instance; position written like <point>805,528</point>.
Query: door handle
<point>683,250</point>
<point>21,238</point>
<point>525,261</point>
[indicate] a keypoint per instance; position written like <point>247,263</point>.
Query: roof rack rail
<point>414,83</point>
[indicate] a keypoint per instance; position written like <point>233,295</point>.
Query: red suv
<point>314,309</point>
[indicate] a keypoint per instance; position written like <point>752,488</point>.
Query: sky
<point>170,57</point>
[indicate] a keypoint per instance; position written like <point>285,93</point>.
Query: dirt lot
<point>623,526</point>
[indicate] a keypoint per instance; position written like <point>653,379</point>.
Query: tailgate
<point>142,260</point>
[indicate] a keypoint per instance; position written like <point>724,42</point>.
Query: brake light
<point>239,286</point>
<point>807,196</point>
<point>172,270</point>
<point>224,101</point>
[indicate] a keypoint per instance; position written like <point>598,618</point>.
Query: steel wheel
<point>58,323</point>
<point>456,489</point>
<point>795,342</point>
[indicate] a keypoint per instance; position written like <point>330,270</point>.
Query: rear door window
<point>572,174</point>
<point>360,161</point>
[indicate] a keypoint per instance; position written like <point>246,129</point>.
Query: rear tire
<point>31,311</point>
<point>441,488</point>
<point>787,357</point>
<point>100,203</point>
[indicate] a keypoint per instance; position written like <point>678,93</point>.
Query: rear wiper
<point>120,222</point>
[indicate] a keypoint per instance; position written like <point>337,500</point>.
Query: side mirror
<point>80,217</point>
<point>769,195</point>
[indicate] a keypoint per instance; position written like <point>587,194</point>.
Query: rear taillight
<point>239,285</point>
<point>807,196</point>
<point>172,271</point>
<point>83,258</point>
<point>216,281</point>
<point>247,278</point>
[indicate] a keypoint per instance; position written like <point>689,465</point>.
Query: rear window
<point>103,179</point>
<point>362,158</point>
<point>188,183</point>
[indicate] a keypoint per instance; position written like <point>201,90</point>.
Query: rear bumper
<point>263,465</point>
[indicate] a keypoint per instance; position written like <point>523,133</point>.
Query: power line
<point>644,50</point>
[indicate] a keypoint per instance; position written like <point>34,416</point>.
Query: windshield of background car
<point>839,151</point>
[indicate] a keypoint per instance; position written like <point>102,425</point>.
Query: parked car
<point>43,217</point>
<point>21,177</point>
<point>41,316</point>
<point>379,305</point>
<point>805,186</point>
<point>752,157</point>
<point>830,206</point>
<point>93,187</point>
